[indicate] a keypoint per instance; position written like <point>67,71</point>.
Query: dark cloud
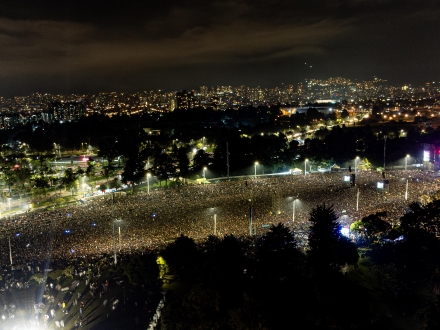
<point>134,45</point>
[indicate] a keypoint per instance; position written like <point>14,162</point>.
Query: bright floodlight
<point>345,231</point>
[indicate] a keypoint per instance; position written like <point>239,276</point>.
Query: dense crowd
<point>143,222</point>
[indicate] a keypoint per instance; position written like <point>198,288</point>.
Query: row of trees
<point>268,282</point>
<point>242,283</point>
<point>171,153</point>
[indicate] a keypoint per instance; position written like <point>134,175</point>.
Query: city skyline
<point>129,46</point>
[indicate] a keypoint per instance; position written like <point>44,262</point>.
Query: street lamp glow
<point>114,239</point>
<point>293,210</point>
<point>255,167</point>
<point>204,170</point>
<point>406,161</point>
<point>148,183</point>
<point>305,166</point>
<point>355,164</point>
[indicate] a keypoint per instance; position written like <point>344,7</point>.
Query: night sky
<point>87,46</point>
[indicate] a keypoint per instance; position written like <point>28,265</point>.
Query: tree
<point>22,171</point>
<point>42,165</point>
<point>200,309</point>
<point>201,158</point>
<point>102,187</point>
<point>142,269</point>
<point>183,162</point>
<point>327,247</point>
<point>371,226</point>
<point>224,263</point>
<point>115,184</point>
<point>38,277</point>
<point>422,219</point>
<point>41,185</point>
<point>277,253</point>
<point>182,257</point>
<point>90,170</point>
<point>8,176</point>
<point>165,167</point>
<point>108,171</point>
<point>278,238</point>
<point>134,169</point>
<point>70,180</point>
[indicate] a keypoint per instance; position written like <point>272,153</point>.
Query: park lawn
<point>386,305</point>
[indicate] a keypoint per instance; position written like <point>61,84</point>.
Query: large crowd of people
<point>143,222</point>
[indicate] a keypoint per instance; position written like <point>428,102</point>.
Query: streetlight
<point>148,183</point>
<point>305,166</point>
<point>255,167</point>
<point>204,176</point>
<point>114,239</point>
<point>119,229</point>
<point>355,164</point>
<point>57,148</point>
<point>215,224</point>
<point>293,210</point>
<point>406,161</point>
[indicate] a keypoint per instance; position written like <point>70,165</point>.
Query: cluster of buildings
<point>324,95</point>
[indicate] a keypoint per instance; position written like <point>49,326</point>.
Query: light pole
<point>10,250</point>
<point>204,174</point>
<point>293,210</point>
<point>406,161</point>
<point>114,239</point>
<point>357,201</point>
<point>148,183</point>
<point>215,224</point>
<point>305,166</point>
<point>255,167</point>
<point>57,148</point>
<point>114,236</point>
<point>406,191</point>
<point>119,229</point>
<point>355,164</point>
